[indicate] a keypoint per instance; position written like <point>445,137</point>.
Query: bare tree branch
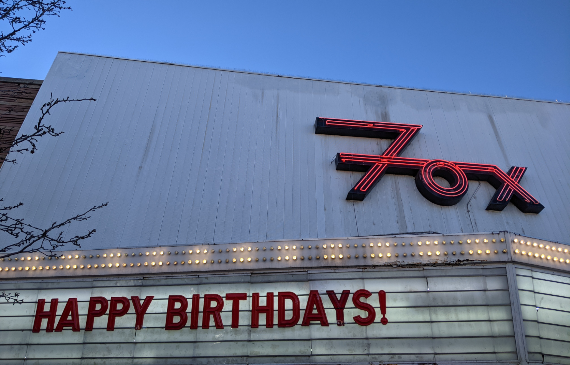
<point>11,298</point>
<point>43,240</point>
<point>23,19</point>
<point>40,130</point>
<point>27,237</point>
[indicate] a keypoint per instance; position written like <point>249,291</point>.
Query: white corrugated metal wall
<point>190,155</point>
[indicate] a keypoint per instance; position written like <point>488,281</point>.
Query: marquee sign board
<point>434,315</point>
<point>457,174</point>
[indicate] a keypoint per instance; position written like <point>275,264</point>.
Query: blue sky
<point>514,48</point>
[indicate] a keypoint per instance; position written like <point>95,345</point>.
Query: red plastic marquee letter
<point>64,321</point>
<point>179,312</point>
<point>41,314</point>
<point>92,312</point>
<point>256,309</point>
<point>363,293</point>
<point>141,310</point>
<point>212,311</point>
<point>296,309</point>
<point>235,298</point>
<point>114,312</point>
<point>321,316</point>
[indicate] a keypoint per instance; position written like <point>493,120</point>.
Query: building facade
<point>264,219</point>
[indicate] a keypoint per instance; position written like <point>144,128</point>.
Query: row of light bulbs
<point>541,245</point>
<point>234,260</point>
<point>279,258</point>
<point>242,249</point>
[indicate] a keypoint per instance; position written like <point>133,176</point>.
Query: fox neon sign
<point>457,174</point>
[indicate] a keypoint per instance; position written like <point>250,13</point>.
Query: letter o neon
<point>436,193</point>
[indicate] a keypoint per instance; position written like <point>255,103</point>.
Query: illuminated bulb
<point>249,248</point>
<point>485,240</point>
<point>479,252</point>
<point>287,258</point>
<point>528,243</point>
<point>522,242</point>
<point>117,264</point>
<point>249,259</point>
<point>420,243</point>
<point>111,255</point>
<point>295,247</point>
<point>33,268</point>
<point>37,258</point>
<point>553,248</point>
<point>339,256</point>
<point>279,247</point>
<point>559,249</point>
<point>235,249</point>
<point>160,263</point>
<point>427,242</point>
<point>555,259</point>
<point>204,261</point>
<point>469,241</point>
<point>515,240</point>
<point>389,255</point>
<point>529,253</point>
<point>565,250</point>
<point>471,252</point>
<point>542,256</point>
<point>69,257</point>
<point>523,252</point>
<point>88,266</point>
<point>147,253</point>
<point>197,262</point>
<point>27,268</point>
<point>548,257</point>
<point>435,242</point>
<point>371,244</point>
<point>547,247</point>
<point>541,245</point>
<point>429,253</point>
<point>67,267</point>
<point>372,255</point>
<point>536,255</point>
<point>535,244</point>
<point>124,265</point>
<point>488,252</point>
<point>104,255</point>
<point>154,253</point>
<point>162,253</point>
<point>76,256</point>
<point>287,247</point>
<point>437,253</point>
<point>234,260</point>
<point>241,249</point>
<point>421,253</point>
<point>517,250</point>
<point>241,259</point>
<point>332,245</point>
<point>477,240</point>
<point>279,258</point>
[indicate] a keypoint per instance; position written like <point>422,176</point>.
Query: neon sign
<point>457,174</point>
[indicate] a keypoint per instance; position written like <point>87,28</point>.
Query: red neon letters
<point>456,173</point>
<point>288,310</point>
